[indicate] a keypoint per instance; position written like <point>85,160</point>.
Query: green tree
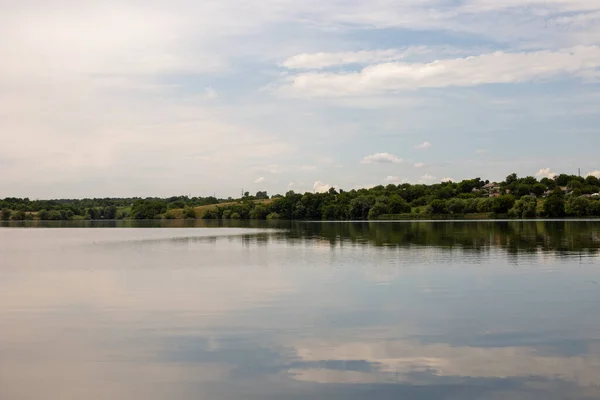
<point>259,212</point>
<point>379,208</point>
<point>189,213</point>
<point>522,190</point>
<point>456,206</point>
<point>148,209</point>
<point>564,179</point>
<point>93,213</point>
<point>550,184</point>
<point>421,201</point>
<point>226,214</point>
<point>501,204</point>
<point>169,215</point>
<point>299,211</point>
<point>397,205</point>
<point>593,181</point>
<point>56,215</point>
<point>210,213</point>
<point>577,206</point>
<point>512,178</point>
<point>471,206</point>
<point>468,185</point>
<point>122,214</point>
<point>554,206</point>
<point>175,205</point>
<point>359,207</point>
<point>524,208</point>
<point>444,193</point>
<point>110,212</point>
<point>594,208</point>
<point>485,205</point>
<point>329,212</point>
<point>575,184</point>
<point>529,181</point>
<point>6,213</point>
<point>538,189</point>
<point>273,216</point>
<point>438,206</point>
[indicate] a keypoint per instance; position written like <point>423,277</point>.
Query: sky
<point>161,98</point>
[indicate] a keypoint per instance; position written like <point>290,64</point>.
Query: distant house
<point>596,195</point>
<point>565,189</point>
<point>491,189</point>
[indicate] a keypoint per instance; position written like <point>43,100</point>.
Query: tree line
<point>97,209</point>
<point>515,197</point>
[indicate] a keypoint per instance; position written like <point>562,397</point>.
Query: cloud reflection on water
<point>222,317</point>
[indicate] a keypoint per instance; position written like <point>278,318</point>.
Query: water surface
<point>409,310</point>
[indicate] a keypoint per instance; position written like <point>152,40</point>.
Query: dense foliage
<point>97,209</point>
<point>565,195</point>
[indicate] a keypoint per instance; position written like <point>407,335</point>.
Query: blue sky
<point>156,98</point>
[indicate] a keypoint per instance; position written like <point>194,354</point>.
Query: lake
<point>167,310</point>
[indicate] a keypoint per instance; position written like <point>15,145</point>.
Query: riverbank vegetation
<point>528,197</point>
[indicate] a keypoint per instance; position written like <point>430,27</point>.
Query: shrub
<point>6,214</point>
<point>169,215</point>
<point>438,207</point>
<point>226,214</point>
<point>189,212</point>
<point>273,216</point>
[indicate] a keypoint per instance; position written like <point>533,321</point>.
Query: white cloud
<point>210,93</point>
<point>545,173</point>
<point>275,169</point>
<point>324,60</point>
<point>391,178</point>
<point>497,67</point>
<point>270,169</point>
<point>473,6</point>
<point>594,173</point>
<point>419,165</point>
<point>260,180</point>
<point>91,89</point>
<point>481,151</point>
<point>320,187</point>
<point>308,167</point>
<point>447,180</point>
<point>428,178</point>
<point>381,158</point>
<point>423,146</point>
<point>576,19</point>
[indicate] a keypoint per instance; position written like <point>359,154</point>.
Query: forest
<point>515,197</point>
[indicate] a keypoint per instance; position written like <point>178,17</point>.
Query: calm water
<point>447,310</point>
